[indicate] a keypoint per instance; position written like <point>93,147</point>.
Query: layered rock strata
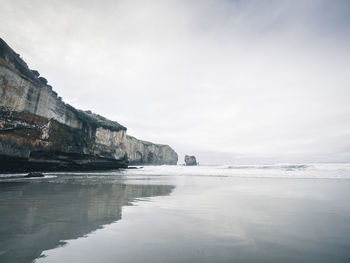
<point>143,152</point>
<point>38,131</point>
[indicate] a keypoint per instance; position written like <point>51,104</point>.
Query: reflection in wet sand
<point>37,216</point>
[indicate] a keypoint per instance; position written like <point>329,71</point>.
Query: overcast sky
<point>228,81</point>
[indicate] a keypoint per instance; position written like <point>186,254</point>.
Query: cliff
<point>143,152</point>
<point>38,131</point>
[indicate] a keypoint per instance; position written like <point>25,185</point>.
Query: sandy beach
<point>179,214</point>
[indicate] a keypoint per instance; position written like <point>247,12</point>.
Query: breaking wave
<point>302,171</point>
<point>287,167</point>
<point>295,171</point>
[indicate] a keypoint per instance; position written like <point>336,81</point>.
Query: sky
<point>231,82</point>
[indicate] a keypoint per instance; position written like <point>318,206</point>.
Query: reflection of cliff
<point>37,216</point>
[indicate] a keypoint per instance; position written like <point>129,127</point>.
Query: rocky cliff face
<point>143,152</point>
<point>38,131</point>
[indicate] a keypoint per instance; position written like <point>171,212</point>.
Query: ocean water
<point>231,213</point>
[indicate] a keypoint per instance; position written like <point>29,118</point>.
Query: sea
<point>224,213</point>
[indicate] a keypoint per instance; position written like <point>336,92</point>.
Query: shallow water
<point>279,213</point>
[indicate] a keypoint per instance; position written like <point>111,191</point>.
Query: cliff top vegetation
<point>98,120</point>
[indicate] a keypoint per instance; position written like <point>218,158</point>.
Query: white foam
<point>327,171</point>
<point>303,171</point>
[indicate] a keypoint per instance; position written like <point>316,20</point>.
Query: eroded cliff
<point>143,152</point>
<point>38,131</point>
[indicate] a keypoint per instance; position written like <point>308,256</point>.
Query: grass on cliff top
<point>129,137</point>
<point>98,120</point>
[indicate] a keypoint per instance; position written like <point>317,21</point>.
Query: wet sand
<point>137,216</point>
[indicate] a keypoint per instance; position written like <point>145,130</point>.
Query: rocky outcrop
<point>34,174</point>
<point>38,131</point>
<point>143,152</point>
<point>190,160</point>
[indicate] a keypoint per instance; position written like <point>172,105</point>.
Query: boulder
<point>34,174</point>
<point>190,160</point>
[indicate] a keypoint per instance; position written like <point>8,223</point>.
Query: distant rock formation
<point>190,160</point>
<point>143,152</point>
<point>38,131</point>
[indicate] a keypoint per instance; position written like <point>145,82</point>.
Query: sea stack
<point>190,160</point>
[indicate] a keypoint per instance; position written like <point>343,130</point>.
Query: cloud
<point>248,81</point>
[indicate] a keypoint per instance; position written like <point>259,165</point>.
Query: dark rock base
<point>49,162</point>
